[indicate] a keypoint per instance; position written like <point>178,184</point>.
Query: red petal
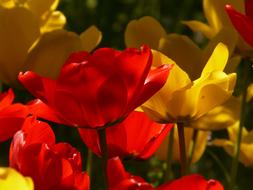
<point>151,147</point>
<point>242,23</point>
<point>41,87</point>
<point>112,99</point>
<point>192,182</point>
<point>40,109</point>
<point>154,82</point>
<point>249,8</point>
<point>6,98</point>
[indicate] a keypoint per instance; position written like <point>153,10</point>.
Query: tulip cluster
<point>161,98</point>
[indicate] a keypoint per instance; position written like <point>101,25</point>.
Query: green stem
<point>220,164</point>
<point>236,153</point>
<point>192,147</point>
<point>168,175</point>
<point>182,149</point>
<point>104,152</point>
<point>89,163</point>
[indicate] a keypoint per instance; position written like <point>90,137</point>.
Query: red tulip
<point>137,136</point>
<point>12,116</point>
<point>243,23</point>
<point>52,166</point>
<point>118,178</point>
<point>96,90</point>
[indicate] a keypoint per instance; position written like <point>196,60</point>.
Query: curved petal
<point>56,20</point>
<point>11,179</point>
<point>173,46</point>
<point>146,30</point>
<point>242,23</point>
<point>217,60</point>
<point>51,51</point>
<point>197,26</point>
<point>90,38</point>
<point>192,182</point>
<point>20,36</point>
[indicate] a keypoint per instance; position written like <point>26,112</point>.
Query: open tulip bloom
<point>183,100</point>
<point>96,90</point>
<point>52,166</point>
<point>119,179</point>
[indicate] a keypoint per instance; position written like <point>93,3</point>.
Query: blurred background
<point>112,17</point>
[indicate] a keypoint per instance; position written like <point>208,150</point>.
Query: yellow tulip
<point>184,100</point>
<point>147,30</point>
<point>200,146</point>
<point>246,147</point>
<point>10,179</point>
<point>218,20</point>
<point>31,38</point>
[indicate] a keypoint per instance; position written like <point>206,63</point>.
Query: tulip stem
<point>168,175</point>
<point>182,149</point>
<point>192,148</point>
<point>236,154</point>
<point>89,163</point>
<point>104,152</point>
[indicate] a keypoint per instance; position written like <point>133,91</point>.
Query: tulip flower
<point>12,115</point>
<point>183,100</point>
<point>34,153</point>
<point>218,21</point>
<point>172,45</point>
<point>40,42</point>
<point>120,179</point>
<point>137,136</point>
<point>96,90</point>
<point>243,23</point>
<point>200,146</point>
<point>11,179</point>
<point>246,146</point>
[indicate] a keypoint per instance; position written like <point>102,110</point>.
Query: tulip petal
<point>90,38</point>
<point>51,51</point>
<point>242,23</point>
<point>197,26</point>
<point>217,61</point>
<point>173,46</point>
<point>193,182</point>
<point>135,35</point>
<point>42,7</point>
<point>55,21</point>
<point>14,34</point>
<point>11,179</point>
<point>249,8</point>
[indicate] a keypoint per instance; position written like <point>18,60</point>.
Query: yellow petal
<point>250,92</point>
<point>146,30</point>
<point>184,52</point>
<point>55,21</point>
<point>227,36</point>
<point>11,179</point>
<point>220,117</point>
<point>216,14</point>
<point>91,38</point>
<point>197,26</point>
<point>18,31</point>
<point>41,7</point>
<point>214,93</point>
<point>51,51</point>
<point>217,61</point>
<point>158,105</point>
<point>201,141</point>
